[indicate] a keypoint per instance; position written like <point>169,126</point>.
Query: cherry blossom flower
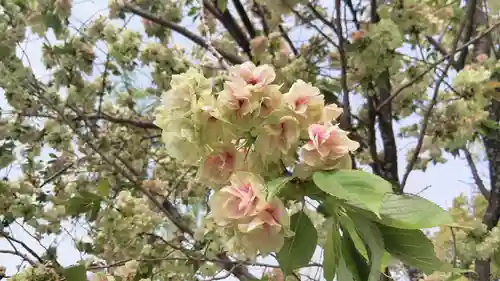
<point>266,230</point>
<point>257,77</point>
<point>238,200</point>
<point>305,101</point>
<point>218,166</point>
<point>327,144</point>
<point>280,137</point>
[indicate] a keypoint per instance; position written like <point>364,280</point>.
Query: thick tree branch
<point>244,17</point>
<point>389,164</point>
<point>232,58</point>
<point>475,174</point>
<point>231,26</point>
<point>469,30</point>
<point>288,40</point>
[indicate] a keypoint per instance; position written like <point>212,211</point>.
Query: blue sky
<point>440,183</point>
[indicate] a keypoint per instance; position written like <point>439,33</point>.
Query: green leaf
<point>103,187</point>
<point>412,247</point>
<point>222,5</point>
<point>348,226</point>
<point>75,273</point>
<point>355,262</point>
<point>298,249</point>
<point>343,273</point>
<point>371,235</point>
<point>274,186</point>
<point>412,212</point>
<point>332,250</point>
<point>358,188</point>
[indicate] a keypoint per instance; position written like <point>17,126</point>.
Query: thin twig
<point>434,65</point>
<point>475,174</point>
<point>433,102</point>
<point>181,30</point>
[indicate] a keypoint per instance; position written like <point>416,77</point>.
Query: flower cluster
<point>246,134</point>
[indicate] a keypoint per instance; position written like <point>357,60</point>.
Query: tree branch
<point>244,17</point>
<point>232,58</point>
<point>433,102</point>
<point>434,65</point>
<point>475,173</point>
<point>231,26</point>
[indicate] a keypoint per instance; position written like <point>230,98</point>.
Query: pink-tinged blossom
<point>218,167</point>
<point>257,77</point>
<point>238,99</point>
<point>238,200</point>
<point>331,112</point>
<point>327,143</point>
<point>305,101</point>
<point>280,137</point>
<point>265,231</point>
<point>271,100</point>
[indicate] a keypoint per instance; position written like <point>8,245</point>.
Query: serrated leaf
<point>298,250</point>
<point>358,188</point>
<point>75,273</point>
<point>332,252</point>
<point>412,212</point>
<point>274,186</point>
<point>372,237</point>
<point>413,248</point>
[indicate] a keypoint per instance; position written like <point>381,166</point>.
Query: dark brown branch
<point>231,26</point>
<point>469,30</point>
<point>135,123</point>
<point>350,6</point>
<point>259,10</point>
<point>346,114</point>
<point>288,40</point>
<point>28,249</point>
<point>475,174</point>
<point>372,137</point>
<point>232,58</point>
<point>324,20</point>
<point>244,17</point>
<point>389,164</point>
<point>17,253</point>
<point>440,49</point>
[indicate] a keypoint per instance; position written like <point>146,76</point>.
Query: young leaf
<point>298,249</point>
<point>356,187</point>
<point>75,273</point>
<point>412,212</point>
<point>103,187</point>
<point>371,235</point>
<point>412,247</point>
<point>274,186</point>
<point>222,5</point>
<point>332,250</point>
